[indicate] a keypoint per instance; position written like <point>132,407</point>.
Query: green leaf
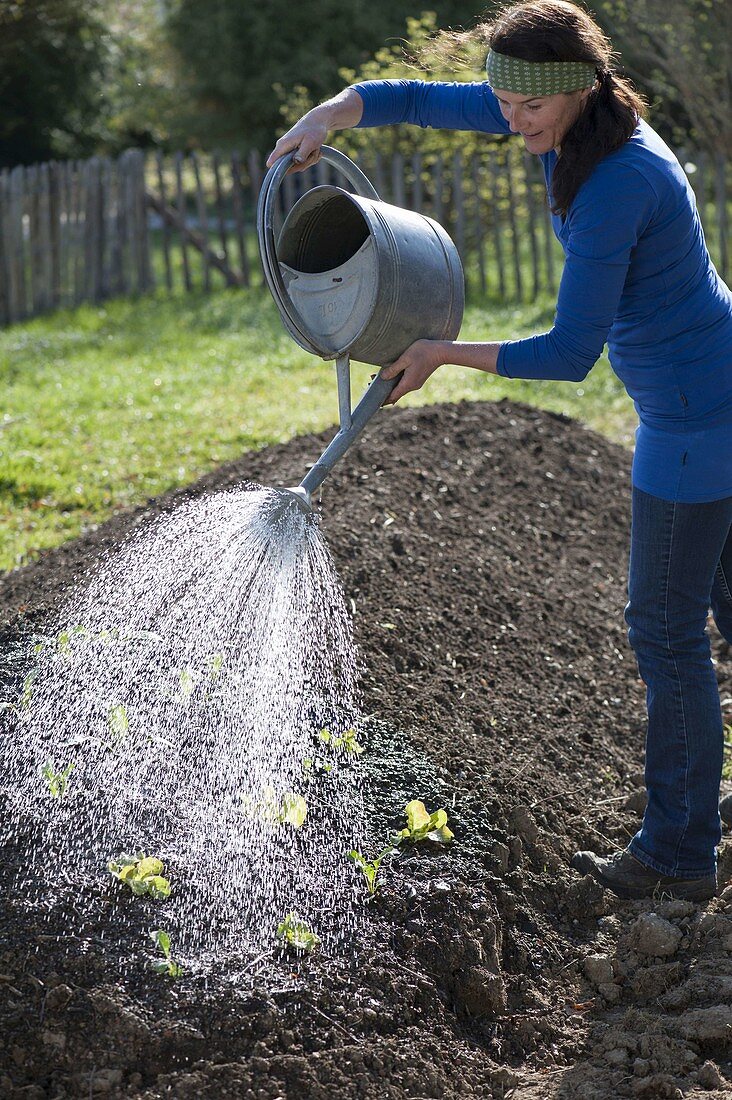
<point>297,933</point>
<point>118,721</point>
<point>168,965</point>
<point>294,810</point>
<point>161,939</point>
<point>187,683</point>
<point>422,825</point>
<point>216,665</point>
<point>350,744</point>
<point>149,866</point>
<point>370,868</point>
<point>143,875</point>
<point>27,692</point>
<point>288,809</point>
<point>417,816</point>
<point>158,887</point>
<point>57,781</point>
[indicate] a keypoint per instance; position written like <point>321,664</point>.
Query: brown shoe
<point>725,809</point>
<point>627,877</point>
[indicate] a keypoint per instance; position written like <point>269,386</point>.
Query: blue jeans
<point>680,565</point>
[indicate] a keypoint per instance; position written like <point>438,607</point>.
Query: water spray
<point>354,278</point>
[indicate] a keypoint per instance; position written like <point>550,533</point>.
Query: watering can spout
<point>292,501</point>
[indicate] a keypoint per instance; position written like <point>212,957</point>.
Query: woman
<point>637,274</point>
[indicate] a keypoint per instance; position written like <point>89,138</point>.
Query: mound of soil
<point>483,549</point>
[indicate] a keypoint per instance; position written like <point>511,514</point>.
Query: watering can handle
<point>265,222</point>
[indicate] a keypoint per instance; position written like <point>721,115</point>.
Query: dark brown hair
<point>556,30</point>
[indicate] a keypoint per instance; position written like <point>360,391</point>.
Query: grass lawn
<point>104,406</point>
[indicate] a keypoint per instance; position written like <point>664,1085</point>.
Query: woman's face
<point>542,120</point>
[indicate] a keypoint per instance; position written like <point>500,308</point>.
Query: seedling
<point>143,874</point>
<point>167,965</point>
<point>64,642</point>
<point>315,764</point>
<point>347,742</point>
<point>297,934</point>
<point>287,809</point>
<point>118,721</point>
<point>422,825</point>
<point>370,868</point>
<point>27,693</point>
<point>23,704</point>
<point>65,638</point>
<point>216,665</point>
<point>187,683</point>
<point>57,781</point>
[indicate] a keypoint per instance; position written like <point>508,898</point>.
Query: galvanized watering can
<point>356,278</point>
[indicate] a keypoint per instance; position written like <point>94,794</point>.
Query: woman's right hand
<point>306,137</point>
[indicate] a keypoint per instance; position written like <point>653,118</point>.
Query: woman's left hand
<point>418,362</point>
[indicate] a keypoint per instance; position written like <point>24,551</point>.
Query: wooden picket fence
<point>85,231</point>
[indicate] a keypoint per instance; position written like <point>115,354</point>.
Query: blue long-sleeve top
<point>637,274</point>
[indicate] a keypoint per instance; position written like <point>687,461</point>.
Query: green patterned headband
<point>535,78</point>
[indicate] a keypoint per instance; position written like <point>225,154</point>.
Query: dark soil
<point>484,548</point>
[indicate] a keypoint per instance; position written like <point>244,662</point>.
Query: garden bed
<point>483,549</point>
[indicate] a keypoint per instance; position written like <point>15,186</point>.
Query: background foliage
<point>85,76</point>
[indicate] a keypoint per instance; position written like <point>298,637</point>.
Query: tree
<point>680,51</point>
<point>244,57</point>
<point>52,56</point>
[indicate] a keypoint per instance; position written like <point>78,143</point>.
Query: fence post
<point>34,267</point>
<point>496,223</point>
<point>458,205</point>
<point>720,190</point>
<point>4,255</point>
<point>165,226</point>
<point>397,179</point>
<point>78,238</point>
<point>55,221</point>
<point>202,222</point>
<point>237,202</point>
<point>531,210</point>
<point>417,183</point>
<point>146,279</point>
<point>180,202</point>
<point>44,237</point>
<point>255,182</point>
<point>18,279</point>
<point>478,220</point>
<point>516,244</point>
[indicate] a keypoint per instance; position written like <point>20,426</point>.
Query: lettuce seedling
<point>63,642</point>
<point>57,781</point>
<point>143,874</point>
<point>347,742</point>
<point>287,809</point>
<point>297,933</point>
<point>186,683</point>
<point>422,825</point>
<point>26,694</point>
<point>118,721</point>
<point>315,764</point>
<point>167,965</point>
<point>216,665</point>
<point>370,868</point>
<point>22,706</point>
